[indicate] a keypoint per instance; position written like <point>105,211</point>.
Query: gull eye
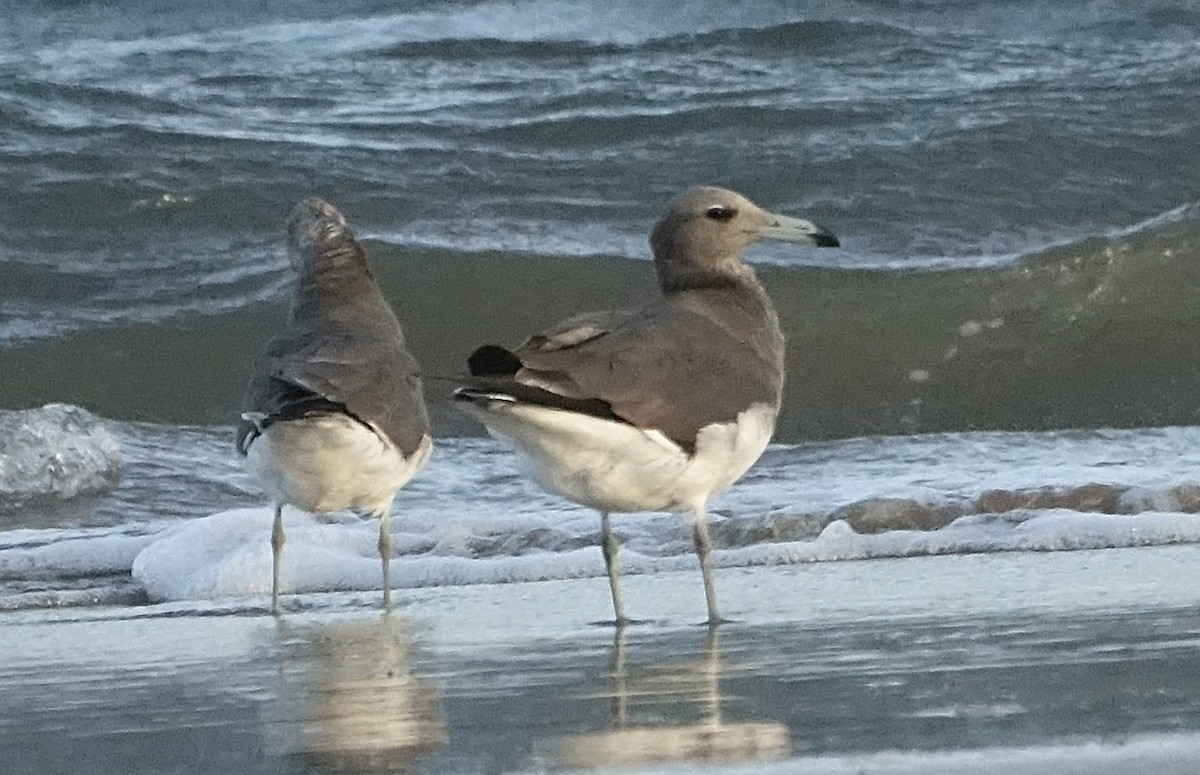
<point>720,213</point>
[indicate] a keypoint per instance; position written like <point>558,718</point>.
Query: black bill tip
<point>826,239</point>
<point>492,360</point>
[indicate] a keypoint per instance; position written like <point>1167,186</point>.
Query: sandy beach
<point>973,547</point>
<point>1015,662</point>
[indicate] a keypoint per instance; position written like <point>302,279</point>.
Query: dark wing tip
<point>826,239</point>
<point>250,427</point>
<point>492,360</point>
<point>503,390</point>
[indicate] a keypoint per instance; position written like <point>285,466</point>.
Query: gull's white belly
<point>331,463</point>
<point>612,466</point>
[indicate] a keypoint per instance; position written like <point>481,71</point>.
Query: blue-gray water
<point>149,151</point>
<point>1015,187</point>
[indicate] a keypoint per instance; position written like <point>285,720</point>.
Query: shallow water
<point>976,602</point>
<point>185,522</point>
<point>946,664</point>
<point>1011,589</point>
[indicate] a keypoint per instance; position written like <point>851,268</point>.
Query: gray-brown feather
<point>575,331</point>
<point>710,349</point>
<point>376,382</point>
<point>343,351</point>
<point>675,366</point>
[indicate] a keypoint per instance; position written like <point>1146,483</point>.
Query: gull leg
<point>277,539</point>
<point>610,546</point>
<point>703,548</point>
<point>385,556</point>
<point>712,672</point>
<point>619,679</point>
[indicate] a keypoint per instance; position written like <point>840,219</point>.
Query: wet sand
<point>1022,662</point>
<point>1084,335</point>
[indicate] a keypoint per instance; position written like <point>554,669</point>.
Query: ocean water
<point>994,379</point>
<point>1013,183</point>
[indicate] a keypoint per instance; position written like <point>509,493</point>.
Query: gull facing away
<point>660,408</point>
<point>334,413</point>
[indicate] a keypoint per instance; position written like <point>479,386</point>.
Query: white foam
<point>470,520</point>
<point>229,555</point>
<point>57,451</point>
<point>1045,531</point>
<point>72,558</point>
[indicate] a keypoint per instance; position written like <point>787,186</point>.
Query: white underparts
<point>331,463</point>
<point>613,466</point>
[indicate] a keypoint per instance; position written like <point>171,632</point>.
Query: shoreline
<point>950,664</point>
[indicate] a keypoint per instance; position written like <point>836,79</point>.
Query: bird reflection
<point>644,702</point>
<point>362,708</point>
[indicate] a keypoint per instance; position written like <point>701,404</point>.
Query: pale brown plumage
<point>334,413</point>
<point>700,355</point>
<point>343,349</point>
<point>659,407</point>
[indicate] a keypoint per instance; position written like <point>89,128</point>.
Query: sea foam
<point>55,452</point>
<point>229,555</point>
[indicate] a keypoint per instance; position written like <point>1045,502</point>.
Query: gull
<point>659,408</point>
<point>334,413</point>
